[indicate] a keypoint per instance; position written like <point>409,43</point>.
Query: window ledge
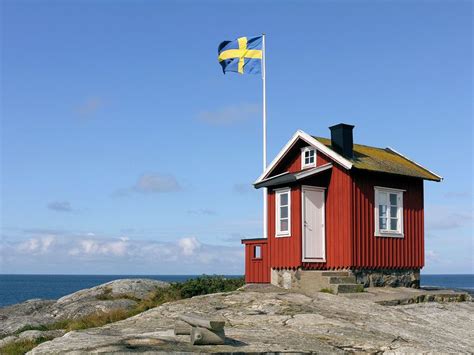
<point>283,236</point>
<point>389,235</point>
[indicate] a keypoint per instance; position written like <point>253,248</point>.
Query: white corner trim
<point>414,162</point>
<point>299,134</point>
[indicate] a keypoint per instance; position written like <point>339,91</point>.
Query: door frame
<point>304,188</point>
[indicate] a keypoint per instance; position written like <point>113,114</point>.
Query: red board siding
<point>338,220</point>
<point>285,252</point>
<point>372,252</point>
<point>256,270</point>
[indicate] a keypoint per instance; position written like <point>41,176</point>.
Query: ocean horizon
<point>17,288</point>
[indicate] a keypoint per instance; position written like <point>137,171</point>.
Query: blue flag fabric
<point>243,55</point>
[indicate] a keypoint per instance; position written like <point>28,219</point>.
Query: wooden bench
<point>201,330</point>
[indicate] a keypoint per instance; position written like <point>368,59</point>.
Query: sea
<point>19,288</point>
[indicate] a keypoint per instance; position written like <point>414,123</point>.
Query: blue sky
<point>126,150</point>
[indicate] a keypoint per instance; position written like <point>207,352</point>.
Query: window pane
<point>382,198</point>
<point>306,154</point>
<point>382,223</point>
<point>393,199</point>
<point>307,161</point>
<point>257,252</point>
<point>284,225</point>
<point>382,211</point>
<point>284,199</point>
<point>393,212</point>
<point>284,212</point>
<point>393,224</point>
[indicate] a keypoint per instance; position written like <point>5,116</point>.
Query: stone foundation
<point>286,278</point>
<point>311,281</point>
<point>388,277</point>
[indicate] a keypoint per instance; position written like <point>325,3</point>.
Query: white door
<point>313,224</point>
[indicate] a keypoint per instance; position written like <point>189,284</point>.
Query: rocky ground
<point>271,320</point>
<point>264,319</point>
<point>119,294</point>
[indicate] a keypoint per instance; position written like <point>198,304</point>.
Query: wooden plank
<point>203,336</point>
<point>182,328</point>
<point>198,321</point>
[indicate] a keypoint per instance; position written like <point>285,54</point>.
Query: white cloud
<point>230,114</point>
<point>86,253</point>
<point>189,245</point>
<point>39,245</point>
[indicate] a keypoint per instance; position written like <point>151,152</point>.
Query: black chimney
<point>341,139</point>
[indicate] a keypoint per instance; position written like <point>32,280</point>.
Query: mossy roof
<point>384,160</point>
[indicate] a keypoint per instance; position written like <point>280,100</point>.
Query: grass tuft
<point>22,346</point>
<point>326,290</point>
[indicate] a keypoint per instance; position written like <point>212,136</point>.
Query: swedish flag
<point>243,55</point>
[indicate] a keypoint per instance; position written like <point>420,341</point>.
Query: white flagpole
<point>265,192</point>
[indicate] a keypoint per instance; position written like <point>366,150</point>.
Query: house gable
<point>289,158</point>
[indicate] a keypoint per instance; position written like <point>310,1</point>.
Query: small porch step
<point>335,273</point>
<point>347,288</point>
<point>342,280</point>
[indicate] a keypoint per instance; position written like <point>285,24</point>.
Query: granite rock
<point>277,321</point>
<point>118,294</point>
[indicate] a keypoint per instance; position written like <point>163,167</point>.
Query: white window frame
<point>303,163</point>
<point>388,232</point>
<point>278,232</point>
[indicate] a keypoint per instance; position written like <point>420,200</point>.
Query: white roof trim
<point>414,162</point>
<point>309,172</point>
<point>311,141</point>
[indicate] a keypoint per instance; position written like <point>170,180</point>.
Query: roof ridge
<point>360,145</point>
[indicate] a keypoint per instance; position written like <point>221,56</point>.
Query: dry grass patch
<point>21,346</point>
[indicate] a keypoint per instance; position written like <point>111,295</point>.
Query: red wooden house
<point>334,205</point>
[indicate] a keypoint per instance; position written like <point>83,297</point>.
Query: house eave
<point>287,177</point>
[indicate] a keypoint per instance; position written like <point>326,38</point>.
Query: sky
<point>125,150</point>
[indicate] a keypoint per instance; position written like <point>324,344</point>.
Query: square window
<point>388,212</point>
<point>308,157</point>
